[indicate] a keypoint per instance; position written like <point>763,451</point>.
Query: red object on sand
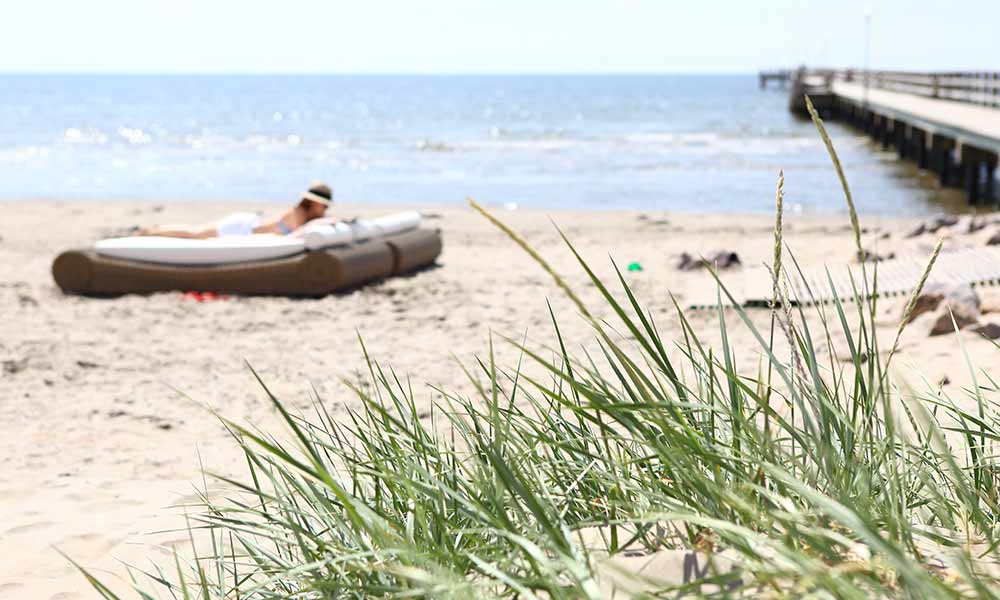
<point>204,296</point>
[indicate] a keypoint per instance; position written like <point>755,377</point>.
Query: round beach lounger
<point>313,273</point>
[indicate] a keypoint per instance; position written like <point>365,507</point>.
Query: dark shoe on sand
<point>723,259</point>
<point>869,256</point>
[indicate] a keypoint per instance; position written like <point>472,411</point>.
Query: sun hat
<point>319,192</point>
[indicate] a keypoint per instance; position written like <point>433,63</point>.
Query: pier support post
<point>947,164</point>
<point>918,139</point>
<point>978,169</point>
<point>970,171</point>
<point>902,139</point>
<point>887,129</point>
<point>991,181</point>
<point>876,128</point>
<point>987,181</point>
<point>941,161</point>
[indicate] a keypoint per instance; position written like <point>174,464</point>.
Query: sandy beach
<point>104,403</point>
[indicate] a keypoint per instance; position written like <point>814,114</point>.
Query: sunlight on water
<point>664,143</point>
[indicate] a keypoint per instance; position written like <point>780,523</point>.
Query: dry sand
<point>102,401</point>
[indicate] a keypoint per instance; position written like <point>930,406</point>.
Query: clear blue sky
<point>491,36</point>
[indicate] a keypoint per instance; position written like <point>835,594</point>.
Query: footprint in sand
<point>86,546</point>
<point>17,494</point>
<point>111,505</point>
<point>170,547</point>
<point>28,528</point>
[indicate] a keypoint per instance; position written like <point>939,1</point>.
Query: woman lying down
<point>311,206</point>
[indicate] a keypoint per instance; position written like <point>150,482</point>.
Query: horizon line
<point>7,73</point>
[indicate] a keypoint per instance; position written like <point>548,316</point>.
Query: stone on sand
<point>928,300</point>
<point>932,225</point>
<point>971,224</point>
<point>962,304</point>
<point>988,330</point>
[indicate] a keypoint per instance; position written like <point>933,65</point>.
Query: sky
<point>492,36</point>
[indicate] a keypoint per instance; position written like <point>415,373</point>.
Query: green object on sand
<point>634,267</point>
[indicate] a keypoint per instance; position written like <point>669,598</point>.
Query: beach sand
<point>104,403</point>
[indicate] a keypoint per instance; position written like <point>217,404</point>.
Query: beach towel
<point>241,223</point>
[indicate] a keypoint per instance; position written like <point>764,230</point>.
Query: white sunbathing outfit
<point>241,223</point>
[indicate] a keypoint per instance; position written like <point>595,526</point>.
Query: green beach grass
<point>815,474</point>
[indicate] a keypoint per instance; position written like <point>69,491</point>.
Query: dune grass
<point>813,471</point>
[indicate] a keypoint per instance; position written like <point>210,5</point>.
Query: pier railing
<point>982,88</point>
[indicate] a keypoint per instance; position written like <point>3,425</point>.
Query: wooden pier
<point>948,123</point>
<point>781,76</point>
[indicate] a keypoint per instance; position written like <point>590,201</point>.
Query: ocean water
<point>680,143</point>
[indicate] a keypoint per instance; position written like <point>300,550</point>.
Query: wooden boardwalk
<point>751,287</point>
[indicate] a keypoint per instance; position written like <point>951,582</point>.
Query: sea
<point>656,143</point>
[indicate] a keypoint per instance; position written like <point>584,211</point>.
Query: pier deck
<point>968,123</point>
